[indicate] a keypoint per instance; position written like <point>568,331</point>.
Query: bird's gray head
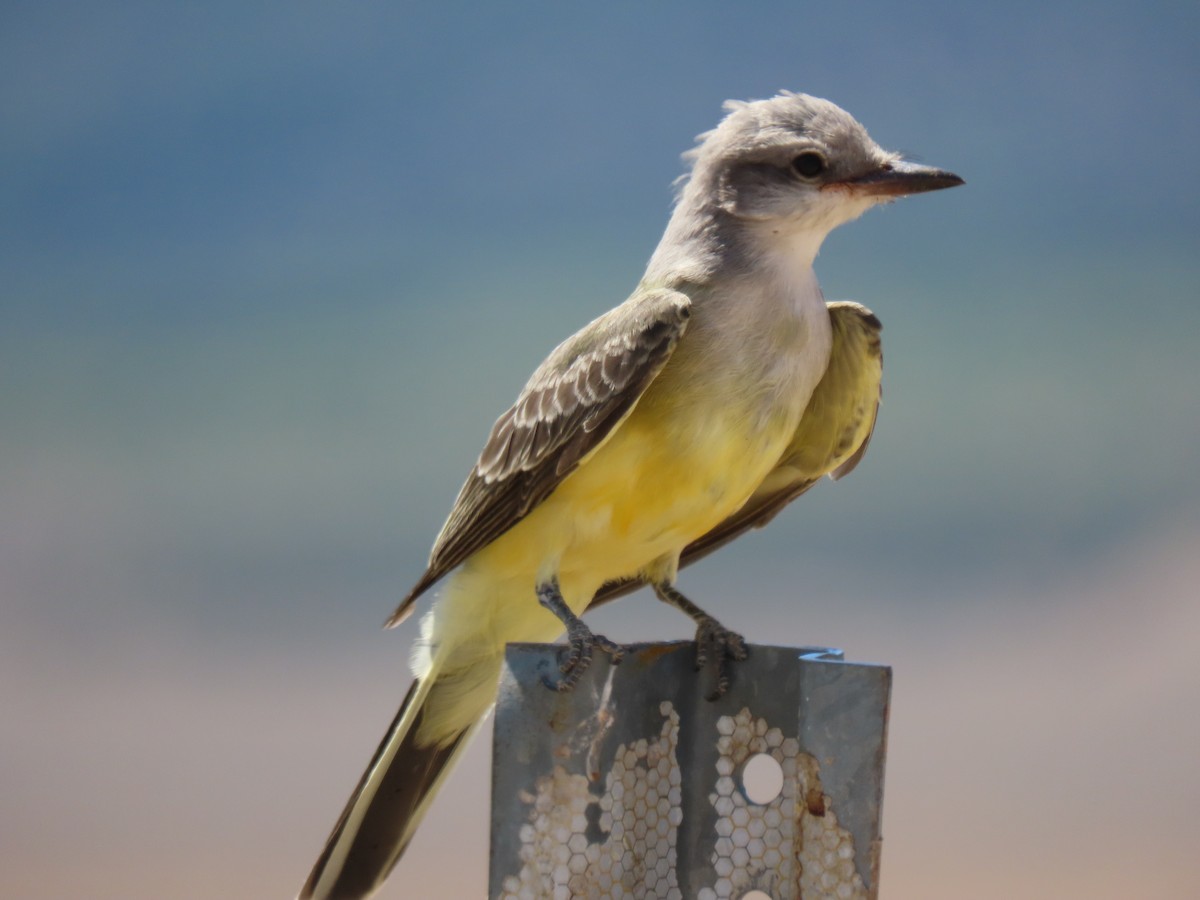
<point>798,164</point>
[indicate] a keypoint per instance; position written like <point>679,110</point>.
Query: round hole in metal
<point>762,778</point>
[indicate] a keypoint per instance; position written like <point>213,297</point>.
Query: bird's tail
<point>458,660</point>
<point>391,798</point>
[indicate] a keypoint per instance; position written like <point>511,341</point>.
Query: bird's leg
<point>713,640</point>
<point>580,639</point>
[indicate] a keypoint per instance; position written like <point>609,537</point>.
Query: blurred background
<point>269,272</point>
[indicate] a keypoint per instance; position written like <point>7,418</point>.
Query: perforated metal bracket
<point>635,785</point>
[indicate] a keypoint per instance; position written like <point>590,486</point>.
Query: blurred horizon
<point>268,275</point>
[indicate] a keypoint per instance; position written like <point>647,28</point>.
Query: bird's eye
<point>809,164</point>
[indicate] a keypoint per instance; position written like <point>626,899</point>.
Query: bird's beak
<point>897,179</point>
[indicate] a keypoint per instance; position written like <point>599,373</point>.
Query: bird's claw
<point>715,641</point>
<point>581,642</point>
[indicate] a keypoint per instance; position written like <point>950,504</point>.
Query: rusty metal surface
<point>631,784</point>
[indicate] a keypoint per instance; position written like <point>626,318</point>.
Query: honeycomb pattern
<point>765,847</point>
<point>640,812</point>
<point>789,848</point>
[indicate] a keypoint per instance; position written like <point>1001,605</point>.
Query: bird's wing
<point>569,407</point>
<point>830,440</point>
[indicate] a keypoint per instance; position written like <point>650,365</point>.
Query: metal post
<point>635,785</point>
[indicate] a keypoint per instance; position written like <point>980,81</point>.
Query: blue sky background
<point>268,274</point>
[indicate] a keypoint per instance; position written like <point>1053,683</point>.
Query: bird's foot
<point>581,643</point>
<point>716,643</point>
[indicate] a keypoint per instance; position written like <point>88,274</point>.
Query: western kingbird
<point>723,388</point>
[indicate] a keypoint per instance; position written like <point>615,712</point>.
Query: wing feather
<point>570,405</point>
<point>831,438</point>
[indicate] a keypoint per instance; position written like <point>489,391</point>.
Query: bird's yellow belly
<point>652,488</point>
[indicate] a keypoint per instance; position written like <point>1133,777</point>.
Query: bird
<point>724,387</point>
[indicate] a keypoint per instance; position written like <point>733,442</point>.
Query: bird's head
<point>797,163</point>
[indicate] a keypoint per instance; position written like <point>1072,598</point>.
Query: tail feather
<point>383,812</point>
